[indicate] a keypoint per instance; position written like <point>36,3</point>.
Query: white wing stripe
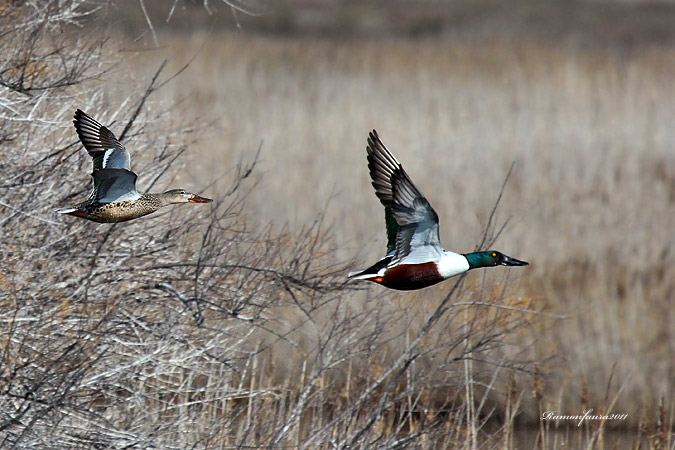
<point>106,157</point>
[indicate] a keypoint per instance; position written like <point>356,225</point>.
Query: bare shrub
<point>99,320</point>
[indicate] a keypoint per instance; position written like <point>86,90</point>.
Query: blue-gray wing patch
<point>417,221</point>
<point>115,158</point>
<point>114,185</point>
<point>104,148</point>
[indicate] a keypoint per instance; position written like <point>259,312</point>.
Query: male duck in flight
<point>114,197</point>
<point>415,258</point>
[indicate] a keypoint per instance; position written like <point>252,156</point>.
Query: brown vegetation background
<point>245,333</point>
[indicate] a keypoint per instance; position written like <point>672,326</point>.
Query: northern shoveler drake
<point>114,197</point>
<point>415,258</point>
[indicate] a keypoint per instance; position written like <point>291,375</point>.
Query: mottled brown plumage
<point>133,209</point>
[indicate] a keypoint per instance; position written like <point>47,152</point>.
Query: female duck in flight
<point>114,197</point>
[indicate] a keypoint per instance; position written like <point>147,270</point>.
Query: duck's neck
<point>159,199</point>
<point>152,202</point>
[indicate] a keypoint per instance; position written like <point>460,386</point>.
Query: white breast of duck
<point>451,264</point>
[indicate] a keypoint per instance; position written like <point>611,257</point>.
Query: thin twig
<point>489,226</point>
<point>150,89</point>
<point>32,216</point>
<point>511,308</point>
<point>149,22</point>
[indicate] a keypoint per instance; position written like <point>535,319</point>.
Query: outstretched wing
<point>102,145</point>
<point>114,185</point>
<point>416,221</point>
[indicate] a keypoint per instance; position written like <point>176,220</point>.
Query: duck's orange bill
<point>198,199</point>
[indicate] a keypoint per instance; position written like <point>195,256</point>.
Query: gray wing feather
<point>417,235</point>
<point>102,145</point>
<point>114,185</point>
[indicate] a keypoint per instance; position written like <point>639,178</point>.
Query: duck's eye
<point>494,254</point>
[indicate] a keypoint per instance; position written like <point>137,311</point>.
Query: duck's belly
<point>117,212</point>
<point>408,277</point>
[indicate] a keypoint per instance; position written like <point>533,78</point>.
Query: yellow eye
<point>494,255</point>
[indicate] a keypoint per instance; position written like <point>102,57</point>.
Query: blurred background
<point>577,96</point>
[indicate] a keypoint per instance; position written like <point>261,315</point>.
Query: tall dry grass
<point>591,199</point>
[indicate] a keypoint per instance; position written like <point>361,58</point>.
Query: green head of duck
<point>491,258</point>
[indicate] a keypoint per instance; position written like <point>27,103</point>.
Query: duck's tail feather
<point>360,275</point>
<point>71,211</point>
<point>371,271</point>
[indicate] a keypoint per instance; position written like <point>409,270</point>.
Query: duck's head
<point>491,258</point>
<point>183,196</point>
